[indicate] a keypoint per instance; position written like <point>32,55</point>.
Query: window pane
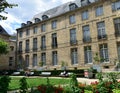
<point>101,29</point>
<point>73,35</point>
<point>99,11</point>
<point>54,24</point>
<point>85,15</point>
<point>88,54</point>
<point>72,19</point>
<point>43,27</point>
<point>74,56</point>
<point>54,57</point>
<point>43,58</point>
<point>34,60</point>
<point>104,53</point>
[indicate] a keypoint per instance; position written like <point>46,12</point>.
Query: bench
<point>45,73</point>
<point>16,73</point>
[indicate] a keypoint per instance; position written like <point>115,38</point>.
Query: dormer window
<point>84,2</point>
<point>29,22</point>
<point>44,17</point>
<point>72,6</point>
<point>37,20</point>
<point>23,25</point>
<point>116,6</point>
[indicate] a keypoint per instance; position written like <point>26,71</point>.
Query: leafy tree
<point>3,5</point>
<point>3,47</point>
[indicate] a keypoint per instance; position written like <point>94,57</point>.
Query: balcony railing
<point>87,40</point>
<point>34,49</point>
<point>73,42</point>
<point>20,51</point>
<point>27,50</point>
<point>54,45</point>
<point>117,34</point>
<point>43,47</point>
<point>102,37</point>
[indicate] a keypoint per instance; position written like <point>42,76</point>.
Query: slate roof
<point>3,32</point>
<point>59,10</point>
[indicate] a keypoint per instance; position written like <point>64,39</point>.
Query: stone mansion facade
<point>72,34</point>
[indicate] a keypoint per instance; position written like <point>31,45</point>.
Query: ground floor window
<point>74,56</point>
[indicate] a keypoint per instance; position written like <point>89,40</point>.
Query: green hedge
<point>78,72</point>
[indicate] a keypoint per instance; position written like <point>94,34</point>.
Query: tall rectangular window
<point>34,60</point>
<point>116,5</point>
<point>43,58</point>
<point>74,56</point>
<point>88,54</point>
<point>73,36</point>
<point>54,58</point>
<point>20,60</point>
<point>117,26</point>
<point>118,50</point>
<point>43,27</point>
<point>72,19</point>
<point>35,30</point>
<point>27,60</point>
<point>11,60</point>
<point>99,10</point>
<point>54,40</point>
<point>20,46</point>
<point>27,46</point>
<point>104,53</point>
<point>86,33</point>
<point>43,42</point>
<point>27,32</point>
<point>101,30</point>
<point>85,15</point>
<point>34,44</point>
<point>20,33</point>
<point>54,24</point>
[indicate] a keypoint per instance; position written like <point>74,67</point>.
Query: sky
<point>25,11</point>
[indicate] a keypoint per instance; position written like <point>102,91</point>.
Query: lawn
<point>33,82</point>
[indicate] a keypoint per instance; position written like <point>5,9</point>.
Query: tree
<point>3,5</point>
<point>3,47</point>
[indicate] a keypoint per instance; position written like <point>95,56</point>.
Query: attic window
<point>72,6</point>
<point>23,25</point>
<point>37,20</point>
<point>84,2</point>
<point>29,22</point>
<point>44,17</point>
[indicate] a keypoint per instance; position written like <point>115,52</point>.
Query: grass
<point>33,82</point>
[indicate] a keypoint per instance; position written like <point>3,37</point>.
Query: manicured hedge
<point>78,72</point>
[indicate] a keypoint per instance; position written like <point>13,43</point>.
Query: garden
<point>108,84</point>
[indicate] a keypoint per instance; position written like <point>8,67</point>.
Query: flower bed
<point>109,85</point>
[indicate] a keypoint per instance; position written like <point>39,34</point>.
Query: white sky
<point>25,11</point>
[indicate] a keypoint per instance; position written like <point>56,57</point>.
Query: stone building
<point>75,34</point>
<point>7,62</point>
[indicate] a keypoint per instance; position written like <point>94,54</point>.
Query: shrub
<point>23,85</point>
<point>4,84</point>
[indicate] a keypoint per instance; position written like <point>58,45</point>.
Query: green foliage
<point>99,76</point>
<point>23,85</point>
<point>4,5</point>
<point>3,47</point>
<point>74,84</point>
<point>4,84</point>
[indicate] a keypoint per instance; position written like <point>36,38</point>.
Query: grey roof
<point>2,31</point>
<point>58,10</point>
